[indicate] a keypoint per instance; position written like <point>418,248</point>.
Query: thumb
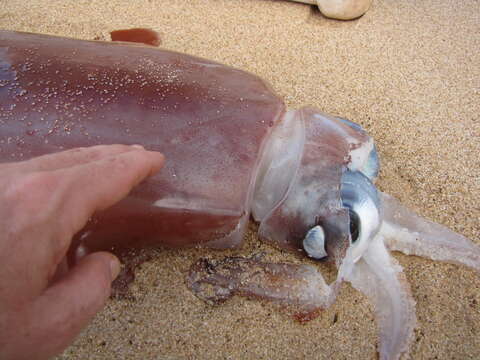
<point>64,309</point>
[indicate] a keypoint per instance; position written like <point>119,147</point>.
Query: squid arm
<point>300,289</point>
<point>411,234</point>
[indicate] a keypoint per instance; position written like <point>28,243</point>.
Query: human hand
<point>43,203</point>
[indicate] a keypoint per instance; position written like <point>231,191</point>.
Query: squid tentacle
<point>380,277</point>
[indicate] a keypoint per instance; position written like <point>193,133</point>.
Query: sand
<point>408,71</point>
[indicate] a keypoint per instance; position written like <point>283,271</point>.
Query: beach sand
<point>408,71</point>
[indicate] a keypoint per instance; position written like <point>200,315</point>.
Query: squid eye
<point>354,225</point>
<point>360,197</point>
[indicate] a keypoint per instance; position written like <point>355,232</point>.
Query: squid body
<point>233,151</point>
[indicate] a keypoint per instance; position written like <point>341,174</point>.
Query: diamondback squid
<point>234,152</point>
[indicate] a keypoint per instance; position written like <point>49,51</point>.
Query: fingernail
<point>136,146</point>
<point>114,267</point>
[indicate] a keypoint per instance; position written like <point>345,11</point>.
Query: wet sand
<point>408,71</point>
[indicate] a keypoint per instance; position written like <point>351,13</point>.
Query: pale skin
<point>44,202</point>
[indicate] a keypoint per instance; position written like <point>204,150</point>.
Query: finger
<point>74,157</point>
<point>64,309</point>
<point>100,184</point>
<point>60,272</point>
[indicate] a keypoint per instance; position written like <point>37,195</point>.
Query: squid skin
<point>232,149</point>
<point>209,120</point>
<point>215,125</point>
